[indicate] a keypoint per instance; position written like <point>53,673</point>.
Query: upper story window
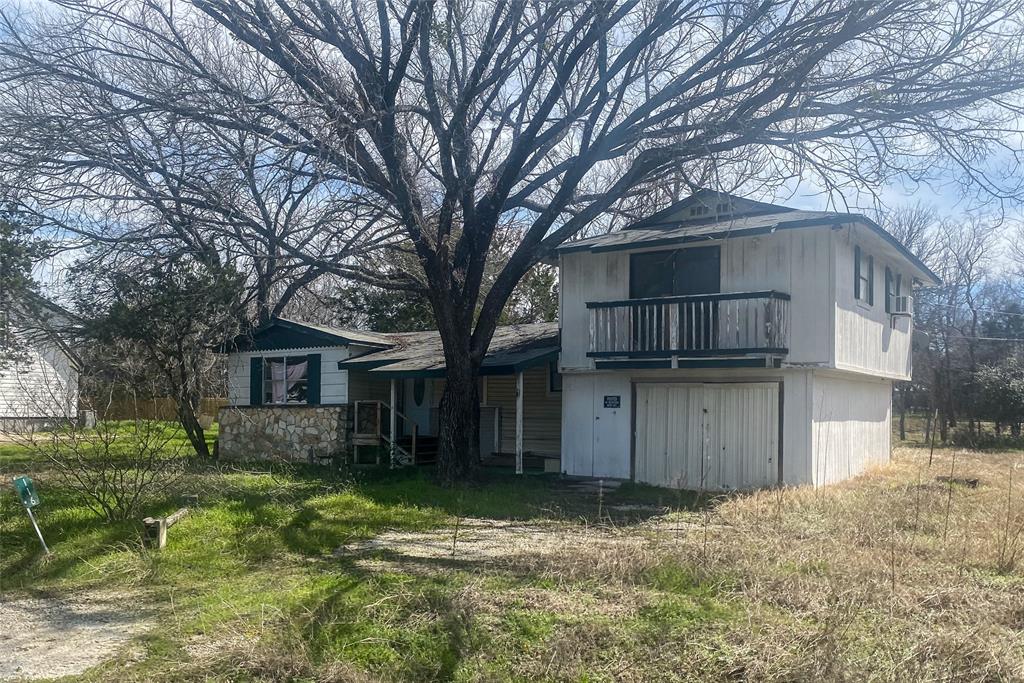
<point>677,272</point>
<point>863,277</point>
<point>893,292</point>
<point>698,210</point>
<point>285,379</point>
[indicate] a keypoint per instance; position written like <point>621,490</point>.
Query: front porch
<point>520,419</point>
<point>396,396</point>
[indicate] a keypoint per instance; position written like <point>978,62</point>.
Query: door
<point>668,434</point>
<point>489,430</point>
<point>714,437</point>
<point>681,272</point>
<point>416,403</point>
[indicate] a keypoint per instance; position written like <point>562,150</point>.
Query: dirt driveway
<point>49,637</point>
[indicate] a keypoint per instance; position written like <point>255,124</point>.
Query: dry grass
<point>893,576</point>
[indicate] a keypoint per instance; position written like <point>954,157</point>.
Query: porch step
<point>426,448</point>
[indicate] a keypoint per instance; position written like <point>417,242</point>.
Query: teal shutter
<point>856,272</point>
<point>313,379</point>
<point>255,381</point>
<point>871,280</point>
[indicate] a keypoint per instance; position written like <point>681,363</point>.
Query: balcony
<point>697,326</point>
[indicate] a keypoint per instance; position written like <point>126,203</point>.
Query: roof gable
<point>706,206</point>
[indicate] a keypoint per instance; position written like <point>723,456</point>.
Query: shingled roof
<point>405,354</point>
<point>707,215</point>
<point>513,348</point>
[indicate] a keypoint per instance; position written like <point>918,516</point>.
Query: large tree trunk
<point>459,444</point>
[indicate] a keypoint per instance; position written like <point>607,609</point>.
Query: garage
<point>713,436</point>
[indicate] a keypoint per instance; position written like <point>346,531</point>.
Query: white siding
<point>796,262</point>
<point>542,411</point>
<point>852,430</point>
<point>45,385</point>
<point>333,382</point>
<point>587,277</point>
<point>867,339</point>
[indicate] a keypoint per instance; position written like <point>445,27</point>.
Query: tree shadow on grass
<point>412,627</point>
<point>412,616</point>
<point>506,496</point>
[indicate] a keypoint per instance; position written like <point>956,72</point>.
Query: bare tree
<point>116,467</point>
<point>916,226</point>
<point>452,119</point>
<point>142,183</point>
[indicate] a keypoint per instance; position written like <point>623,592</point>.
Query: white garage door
<point>713,437</point>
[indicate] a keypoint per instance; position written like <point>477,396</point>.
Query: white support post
<point>393,422</point>
<point>519,422</point>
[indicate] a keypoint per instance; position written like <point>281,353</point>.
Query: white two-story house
<point>730,344</point>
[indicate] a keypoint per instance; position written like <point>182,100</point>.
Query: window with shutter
<point>286,380</point>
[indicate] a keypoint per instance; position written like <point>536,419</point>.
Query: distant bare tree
<point>967,249</point>
<point>449,120</point>
<point>916,226</point>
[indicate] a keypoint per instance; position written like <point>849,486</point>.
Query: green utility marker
<point>30,499</point>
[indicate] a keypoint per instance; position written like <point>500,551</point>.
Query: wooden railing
<point>735,323</point>
<point>372,421</point>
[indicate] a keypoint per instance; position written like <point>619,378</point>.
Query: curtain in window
<point>284,378</point>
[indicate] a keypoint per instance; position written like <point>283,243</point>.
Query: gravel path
<point>49,637</point>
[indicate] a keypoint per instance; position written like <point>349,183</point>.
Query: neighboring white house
<point>40,388</point>
<point>728,344</point>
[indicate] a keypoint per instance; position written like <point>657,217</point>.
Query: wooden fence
<point>160,409</point>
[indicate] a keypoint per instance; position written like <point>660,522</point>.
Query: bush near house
<point>283,573</point>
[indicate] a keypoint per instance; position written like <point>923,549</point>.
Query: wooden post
<point>154,532</point>
<point>155,528</point>
<point>519,422</point>
<point>378,431</point>
<point>393,422</point>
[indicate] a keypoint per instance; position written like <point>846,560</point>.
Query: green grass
<point>259,558</point>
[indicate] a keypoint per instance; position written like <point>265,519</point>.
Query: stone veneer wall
<point>283,432</point>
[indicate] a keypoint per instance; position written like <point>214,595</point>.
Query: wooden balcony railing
<point>728,324</point>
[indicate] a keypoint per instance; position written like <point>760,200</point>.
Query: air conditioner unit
<point>903,305</point>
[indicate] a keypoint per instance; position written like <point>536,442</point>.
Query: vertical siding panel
<point>851,430</point>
